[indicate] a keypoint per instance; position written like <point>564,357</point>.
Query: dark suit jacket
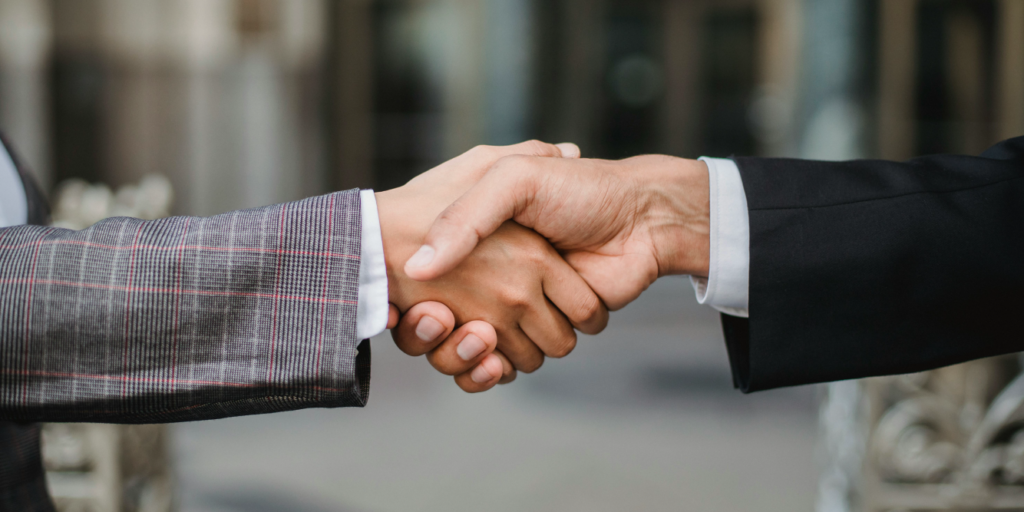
<point>185,318</point>
<point>869,267</point>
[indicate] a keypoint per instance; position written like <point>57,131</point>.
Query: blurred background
<point>240,103</point>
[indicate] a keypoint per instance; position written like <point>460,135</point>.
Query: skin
<point>620,224</point>
<point>511,323</point>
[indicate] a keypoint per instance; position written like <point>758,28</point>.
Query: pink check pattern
<point>183,318</point>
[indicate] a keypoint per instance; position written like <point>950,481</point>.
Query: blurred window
<point>953,104</point>
<point>634,79</point>
<point>727,82</point>
<point>407,105</point>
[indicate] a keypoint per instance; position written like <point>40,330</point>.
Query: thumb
<point>538,148</point>
<point>496,198</point>
<point>568,150</point>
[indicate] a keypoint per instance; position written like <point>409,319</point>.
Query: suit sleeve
<point>867,268</point>
<point>184,318</point>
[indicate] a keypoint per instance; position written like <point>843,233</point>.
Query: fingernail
<point>422,258</point>
<point>428,329</point>
<point>480,374</point>
<point>470,347</point>
<point>569,150</point>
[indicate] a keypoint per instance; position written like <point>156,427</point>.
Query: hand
<point>514,281</point>
<point>426,325</point>
<point>620,224</point>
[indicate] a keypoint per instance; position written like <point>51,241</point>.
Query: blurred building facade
<point>248,102</point>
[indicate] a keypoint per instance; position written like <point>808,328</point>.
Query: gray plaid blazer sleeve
<point>184,318</point>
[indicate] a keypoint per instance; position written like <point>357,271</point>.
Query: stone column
<point>459,56</point>
<point>897,49</point>
<point>778,75</point>
<point>352,97</point>
<point>1010,69</point>
<point>683,32</point>
<point>831,125</point>
<point>577,112</point>
<point>222,96</point>
<point>509,70</point>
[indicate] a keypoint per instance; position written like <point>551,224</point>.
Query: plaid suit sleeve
<point>184,318</point>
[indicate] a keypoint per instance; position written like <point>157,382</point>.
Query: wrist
<point>402,232</point>
<point>678,215</point>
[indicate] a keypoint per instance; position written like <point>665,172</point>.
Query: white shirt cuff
<point>727,286</point>
<point>372,311</point>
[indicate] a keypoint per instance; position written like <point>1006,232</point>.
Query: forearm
<point>869,268</point>
<point>183,318</point>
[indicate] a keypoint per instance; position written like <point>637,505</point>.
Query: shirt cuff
<point>372,310</point>
<point>727,286</point>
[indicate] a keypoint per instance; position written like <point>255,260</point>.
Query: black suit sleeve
<point>867,268</point>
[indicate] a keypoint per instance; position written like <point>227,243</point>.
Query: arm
<point>183,318</point>
<point>855,268</point>
<point>258,310</point>
<point>869,268</point>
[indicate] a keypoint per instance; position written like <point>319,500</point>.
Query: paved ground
<point>642,417</point>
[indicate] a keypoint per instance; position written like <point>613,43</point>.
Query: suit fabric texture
<point>177,319</point>
<point>22,480</point>
<point>869,267</point>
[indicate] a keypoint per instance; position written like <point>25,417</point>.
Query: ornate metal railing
<point>109,468</point>
<point>944,440</point>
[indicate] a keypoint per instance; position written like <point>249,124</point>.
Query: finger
<point>571,294</point>
<point>393,316</point>
<point>538,148</point>
<point>459,228</point>
<point>569,150</point>
<point>423,327</point>
<point>520,350</point>
<point>487,155</point>
<point>549,329</point>
<point>464,349</point>
<point>508,372</point>
<point>484,376</point>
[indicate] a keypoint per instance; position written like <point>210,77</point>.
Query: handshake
<point>495,258</point>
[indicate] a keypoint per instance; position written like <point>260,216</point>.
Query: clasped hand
<point>520,246</point>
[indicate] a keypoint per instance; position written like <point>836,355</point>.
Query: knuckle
<point>450,215</point>
<point>483,151</point>
<point>515,298</point>
<point>508,377</point>
<point>402,344</point>
<point>531,364</point>
<point>563,346</point>
<point>536,147</point>
<point>513,163</point>
<point>468,385</point>
<point>534,253</point>
<point>452,218</point>
<point>589,309</point>
<point>442,364</point>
